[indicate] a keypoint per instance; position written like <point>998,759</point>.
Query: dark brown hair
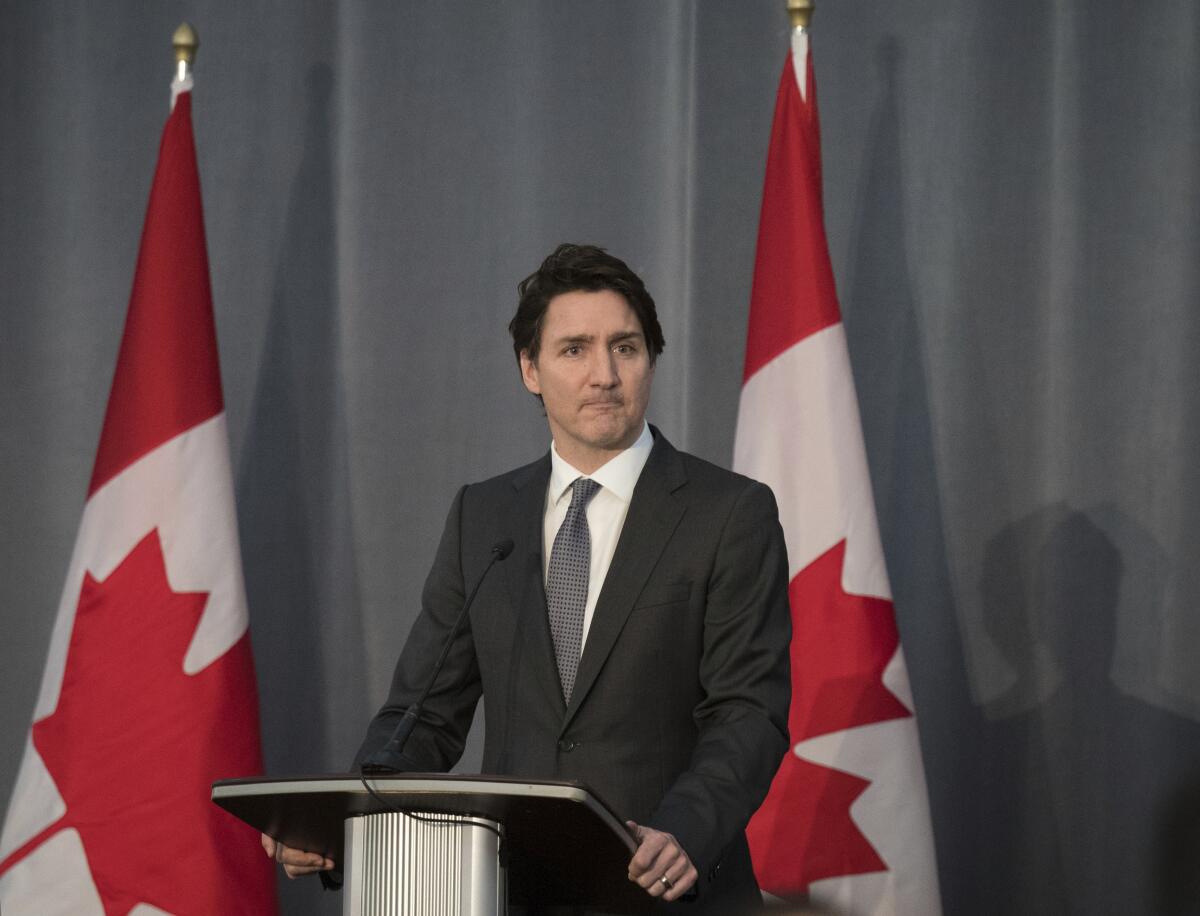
<point>572,268</point>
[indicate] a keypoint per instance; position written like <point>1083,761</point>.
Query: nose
<point>603,368</point>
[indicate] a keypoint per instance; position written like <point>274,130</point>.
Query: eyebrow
<point>588,338</point>
<point>626,335</point>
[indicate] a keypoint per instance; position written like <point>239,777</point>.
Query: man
<point>637,638</point>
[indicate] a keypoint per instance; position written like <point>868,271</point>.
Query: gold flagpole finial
<point>186,43</point>
<point>800,12</point>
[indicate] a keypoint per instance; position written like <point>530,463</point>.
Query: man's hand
<point>295,862</point>
<point>660,866</point>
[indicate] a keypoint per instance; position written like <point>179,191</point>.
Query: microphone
<point>388,758</point>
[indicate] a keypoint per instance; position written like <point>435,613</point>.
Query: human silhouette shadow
<point>293,487</point>
<point>294,500</point>
<point>1078,789</point>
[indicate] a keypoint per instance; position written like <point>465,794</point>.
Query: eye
<point>625,349</point>
<point>572,350</point>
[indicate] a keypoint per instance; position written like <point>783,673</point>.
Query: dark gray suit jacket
<point>679,713</point>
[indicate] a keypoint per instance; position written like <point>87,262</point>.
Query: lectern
<point>437,845</point>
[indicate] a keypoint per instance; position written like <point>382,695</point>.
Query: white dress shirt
<point>605,513</point>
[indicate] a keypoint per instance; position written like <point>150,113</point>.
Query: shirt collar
<point>619,475</point>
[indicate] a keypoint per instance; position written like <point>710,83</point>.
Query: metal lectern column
<point>398,865</point>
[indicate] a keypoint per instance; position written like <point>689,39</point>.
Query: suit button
<point>566,745</point>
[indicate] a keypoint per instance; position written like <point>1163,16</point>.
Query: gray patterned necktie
<point>567,583</point>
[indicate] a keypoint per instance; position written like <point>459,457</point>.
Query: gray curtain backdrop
<point>1012,199</point>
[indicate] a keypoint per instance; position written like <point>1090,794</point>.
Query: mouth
<point>602,405</point>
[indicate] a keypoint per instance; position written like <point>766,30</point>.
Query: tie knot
<point>582,491</point>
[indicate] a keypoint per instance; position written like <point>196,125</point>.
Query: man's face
<point>593,372</point>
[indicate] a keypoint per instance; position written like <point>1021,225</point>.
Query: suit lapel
<point>654,514</point>
<point>525,577</point>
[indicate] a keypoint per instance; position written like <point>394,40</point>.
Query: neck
<point>586,459</point>
<point>586,462</point>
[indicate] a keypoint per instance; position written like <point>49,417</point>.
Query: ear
<point>529,373</point>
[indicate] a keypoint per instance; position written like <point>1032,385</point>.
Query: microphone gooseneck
<point>389,759</point>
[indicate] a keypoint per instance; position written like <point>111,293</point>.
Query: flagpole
<point>800,12</point>
<point>186,43</point>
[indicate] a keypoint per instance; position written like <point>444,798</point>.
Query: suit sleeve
<point>745,676</point>
<point>441,733</point>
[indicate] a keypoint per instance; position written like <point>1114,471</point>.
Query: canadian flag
<point>847,817</point>
<point>148,694</point>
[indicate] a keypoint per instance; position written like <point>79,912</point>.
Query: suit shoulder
<point>504,484</point>
<point>713,477</point>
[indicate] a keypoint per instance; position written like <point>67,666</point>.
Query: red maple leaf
<point>135,743</point>
<point>840,646</point>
